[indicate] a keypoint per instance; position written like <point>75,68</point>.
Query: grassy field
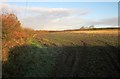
<point>91,53</point>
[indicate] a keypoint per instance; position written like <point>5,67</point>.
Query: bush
<point>12,33</point>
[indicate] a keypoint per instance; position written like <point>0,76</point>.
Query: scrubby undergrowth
<point>12,34</point>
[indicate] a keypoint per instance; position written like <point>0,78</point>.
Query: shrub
<point>12,33</point>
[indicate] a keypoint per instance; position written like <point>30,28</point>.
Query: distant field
<point>67,54</point>
<point>109,31</point>
<point>91,37</point>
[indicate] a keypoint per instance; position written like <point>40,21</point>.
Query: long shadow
<point>66,61</point>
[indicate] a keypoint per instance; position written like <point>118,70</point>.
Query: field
<point>92,53</point>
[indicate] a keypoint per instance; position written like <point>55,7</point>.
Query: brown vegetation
<point>12,33</point>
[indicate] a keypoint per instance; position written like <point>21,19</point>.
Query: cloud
<point>111,21</point>
<point>108,21</point>
<point>51,18</point>
<point>3,0</point>
<point>57,10</point>
<point>6,8</point>
<point>55,18</point>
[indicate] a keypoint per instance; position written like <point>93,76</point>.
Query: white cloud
<point>10,8</point>
<point>3,0</point>
<point>55,18</point>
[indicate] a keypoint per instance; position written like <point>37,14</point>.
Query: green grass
<point>30,61</point>
<point>34,42</point>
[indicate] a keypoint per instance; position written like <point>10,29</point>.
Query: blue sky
<point>100,14</point>
<point>98,9</point>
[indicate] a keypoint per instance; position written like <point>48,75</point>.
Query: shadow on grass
<point>74,61</point>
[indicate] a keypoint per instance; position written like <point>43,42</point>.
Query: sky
<point>64,15</point>
<point>60,0</point>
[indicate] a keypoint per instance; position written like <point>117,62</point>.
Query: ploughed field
<point>92,53</point>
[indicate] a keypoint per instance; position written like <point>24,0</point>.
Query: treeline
<point>83,29</point>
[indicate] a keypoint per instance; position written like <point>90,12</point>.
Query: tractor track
<point>69,62</point>
<point>108,54</point>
